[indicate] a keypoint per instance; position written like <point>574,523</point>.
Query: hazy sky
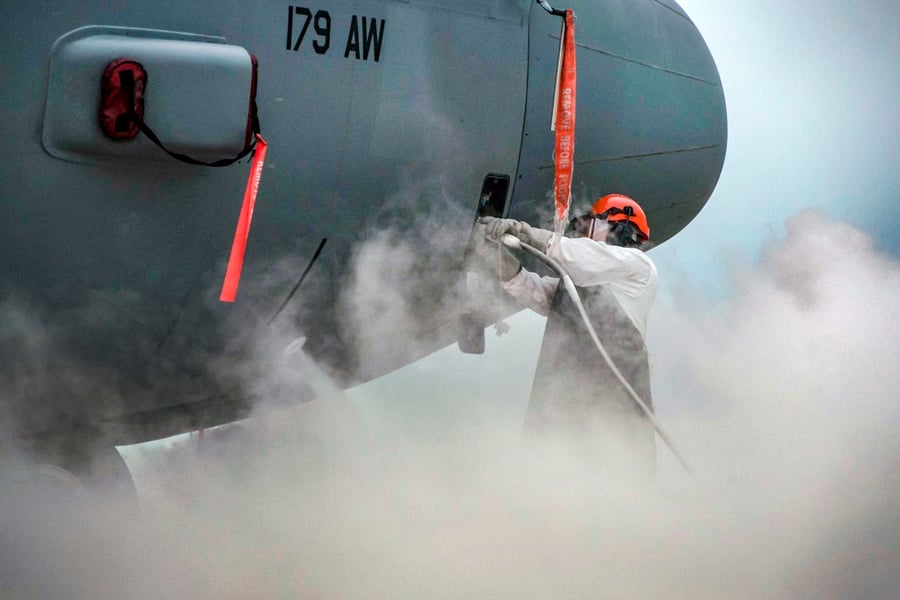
<point>811,90</point>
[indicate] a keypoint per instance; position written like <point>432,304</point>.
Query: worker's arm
<point>531,290</point>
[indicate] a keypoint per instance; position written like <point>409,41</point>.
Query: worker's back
<point>577,398</point>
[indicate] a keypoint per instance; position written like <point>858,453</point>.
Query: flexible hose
<point>511,241</point>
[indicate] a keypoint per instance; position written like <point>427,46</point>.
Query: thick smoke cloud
<point>783,401</point>
<point>787,398</point>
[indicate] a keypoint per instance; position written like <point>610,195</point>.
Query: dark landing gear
<point>68,510</point>
<point>76,469</point>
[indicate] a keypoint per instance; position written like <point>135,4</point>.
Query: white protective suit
<point>574,390</point>
<point>628,273</point>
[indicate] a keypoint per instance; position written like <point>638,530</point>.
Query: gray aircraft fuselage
<point>383,118</point>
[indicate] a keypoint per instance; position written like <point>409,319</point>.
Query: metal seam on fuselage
<point>643,64</point>
<point>680,14</point>
<point>644,155</point>
<point>511,193</point>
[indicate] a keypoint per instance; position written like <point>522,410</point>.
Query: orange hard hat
<point>618,207</point>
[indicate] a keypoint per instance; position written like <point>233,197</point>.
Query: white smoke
<point>420,486</point>
<point>787,399</point>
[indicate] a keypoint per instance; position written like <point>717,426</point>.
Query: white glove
<point>495,229</point>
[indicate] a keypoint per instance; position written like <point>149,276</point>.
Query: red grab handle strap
<point>564,116</point>
<point>239,246</point>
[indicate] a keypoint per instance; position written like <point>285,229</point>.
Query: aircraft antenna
<point>553,11</point>
<point>297,285</point>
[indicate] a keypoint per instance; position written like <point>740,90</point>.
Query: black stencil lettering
<point>290,36</point>
<point>300,10</point>
<point>323,28</point>
<point>352,39</point>
<point>372,37</point>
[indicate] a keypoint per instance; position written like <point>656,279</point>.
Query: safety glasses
<point>583,225</point>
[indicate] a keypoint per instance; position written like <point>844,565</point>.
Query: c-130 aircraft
<point>385,120</point>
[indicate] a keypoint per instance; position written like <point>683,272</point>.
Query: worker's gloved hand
<point>496,228</point>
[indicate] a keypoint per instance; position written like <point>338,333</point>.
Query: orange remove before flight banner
<point>564,150</point>
<point>239,246</point>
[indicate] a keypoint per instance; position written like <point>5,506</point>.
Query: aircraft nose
<point>651,119</point>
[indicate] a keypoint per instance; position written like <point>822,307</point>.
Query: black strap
<point>193,161</point>
<point>127,81</point>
